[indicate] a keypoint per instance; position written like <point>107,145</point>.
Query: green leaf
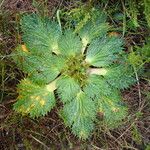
<point>46,70</point>
<point>67,88</point>
<point>102,52</point>
<point>33,99</point>
<point>80,114</point>
<point>42,68</point>
<point>19,54</point>
<point>93,29</point>
<point>69,43</point>
<point>147,11</point>
<point>96,86</point>
<point>120,76</point>
<point>135,59</point>
<point>40,34</point>
<point>113,109</point>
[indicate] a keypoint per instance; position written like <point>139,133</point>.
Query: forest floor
<point>49,132</point>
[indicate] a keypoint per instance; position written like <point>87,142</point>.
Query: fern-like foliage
<point>147,11</point>
<point>82,67</point>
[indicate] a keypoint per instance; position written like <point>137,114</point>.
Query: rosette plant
<point>85,70</point>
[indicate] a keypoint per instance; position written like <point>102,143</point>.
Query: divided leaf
<point>102,52</point>
<point>42,68</point>
<point>120,76</point>
<point>80,114</point>
<point>93,29</point>
<point>41,35</point>
<point>67,88</point>
<point>33,99</point>
<point>113,109</point>
<point>96,86</point>
<point>69,44</point>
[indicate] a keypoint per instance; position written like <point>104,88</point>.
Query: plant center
<point>76,68</point>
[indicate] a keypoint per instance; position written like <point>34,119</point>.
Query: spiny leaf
<point>113,110</point>
<point>46,69</point>
<point>120,76</point>
<point>67,88</point>
<point>96,86</point>
<point>93,29</point>
<point>42,68</point>
<point>69,43</point>
<point>102,52</point>
<point>80,114</point>
<point>33,99</point>
<point>19,54</point>
<point>40,34</point>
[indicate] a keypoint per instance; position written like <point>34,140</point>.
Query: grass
<point>17,132</point>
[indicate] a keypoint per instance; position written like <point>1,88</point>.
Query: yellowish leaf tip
<point>24,48</point>
<point>42,102</point>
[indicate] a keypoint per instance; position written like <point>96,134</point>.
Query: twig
<point>39,142</point>
<point>125,131</point>
<point>95,147</point>
<point>1,3</point>
<point>58,19</point>
<point>138,86</point>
